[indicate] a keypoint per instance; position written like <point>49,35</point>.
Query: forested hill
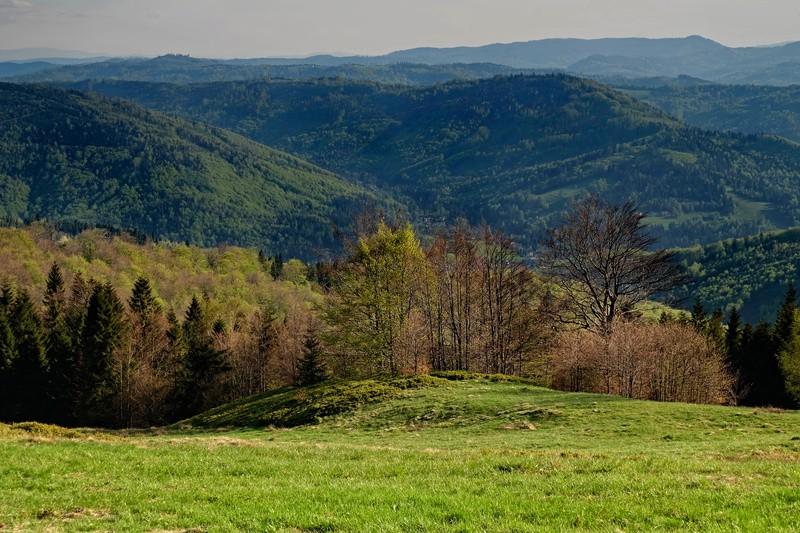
<point>71,157</point>
<point>510,151</point>
<point>184,69</point>
<point>738,108</point>
<point>752,273</point>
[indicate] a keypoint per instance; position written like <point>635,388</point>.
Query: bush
<point>662,362</point>
<point>463,375</point>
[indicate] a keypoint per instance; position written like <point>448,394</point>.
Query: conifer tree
<point>218,329</point>
<point>733,337</point>
<point>789,359</point>
<point>175,355</point>
<point>787,345</point>
<point>75,318</point>
<point>7,296</point>
<point>698,317</point>
<point>268,333</point>
<point>8,355</point>
<point>311,370</point>
<point>715,329</point>
<point>203,363</point>
<point>175,335</point>
<point>141,360</point>
<point>784,323</point>
<point>142,302</point>
<point>761,368</point>
<point>276,268</point>
<point>103,335</point>
<point>29,369</point>
<point>195,325</point>
<point>58,345</point>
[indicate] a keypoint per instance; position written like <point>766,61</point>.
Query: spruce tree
<point>311,370</point>
<point>29,369</point>
<point>268,334</point>
<point>202,364</point>
<point>175,335</point>
<point>75,319</point>
<point>195,325</point>
<point>7,296</point>
<point>761,369</point>
<point>103,334</point>
<point>218,329</point>
<point>276,268</point>
<point>698,317</point>
<point>715,329</point>
<point>784,323</point>
<point>8,356</point>
<point>733,337</point>
<point>58,344</point>
<point>789,359</point>
<point>173,360</point>
<point>142,302</point>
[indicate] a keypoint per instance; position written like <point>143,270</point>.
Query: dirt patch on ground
<point>68,515</point>
<point>521,425</point>
<point>772,454</point>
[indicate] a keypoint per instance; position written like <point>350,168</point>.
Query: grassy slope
<point>86,159</point>
<point>446,455</point>
<point>232,277</point>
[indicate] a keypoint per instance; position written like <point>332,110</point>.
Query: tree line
<point>764,359</point>
<point>85,357</point>
<point>464,300</point>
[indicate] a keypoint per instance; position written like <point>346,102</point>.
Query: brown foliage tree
<point>663,362</point>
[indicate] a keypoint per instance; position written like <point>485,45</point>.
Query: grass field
<point>415,455</point>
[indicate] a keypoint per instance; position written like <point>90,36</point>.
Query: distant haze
<point>259,28</point>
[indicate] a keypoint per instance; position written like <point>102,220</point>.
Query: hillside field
<point>417,454</point>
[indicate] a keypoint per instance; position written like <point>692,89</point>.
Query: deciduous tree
<point>602,260</point>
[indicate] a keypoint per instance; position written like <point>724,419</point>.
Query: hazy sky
<point>250,28</point>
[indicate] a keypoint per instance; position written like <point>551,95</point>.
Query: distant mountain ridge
<point>694,56</point>
<point>185,69</point>
<point>10,69</point>
<point>558,53</point>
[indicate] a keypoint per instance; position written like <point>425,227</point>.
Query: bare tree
<point>602,262</point>
<point>485,311</point>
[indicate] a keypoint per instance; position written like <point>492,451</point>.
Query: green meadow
<point>465,453</point>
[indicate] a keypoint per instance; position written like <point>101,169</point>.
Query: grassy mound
<point>290,407</point>
<point>37,430</point>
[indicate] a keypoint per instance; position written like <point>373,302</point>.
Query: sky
<point>262,28</point>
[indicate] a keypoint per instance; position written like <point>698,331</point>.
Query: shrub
<point>662,362</point>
